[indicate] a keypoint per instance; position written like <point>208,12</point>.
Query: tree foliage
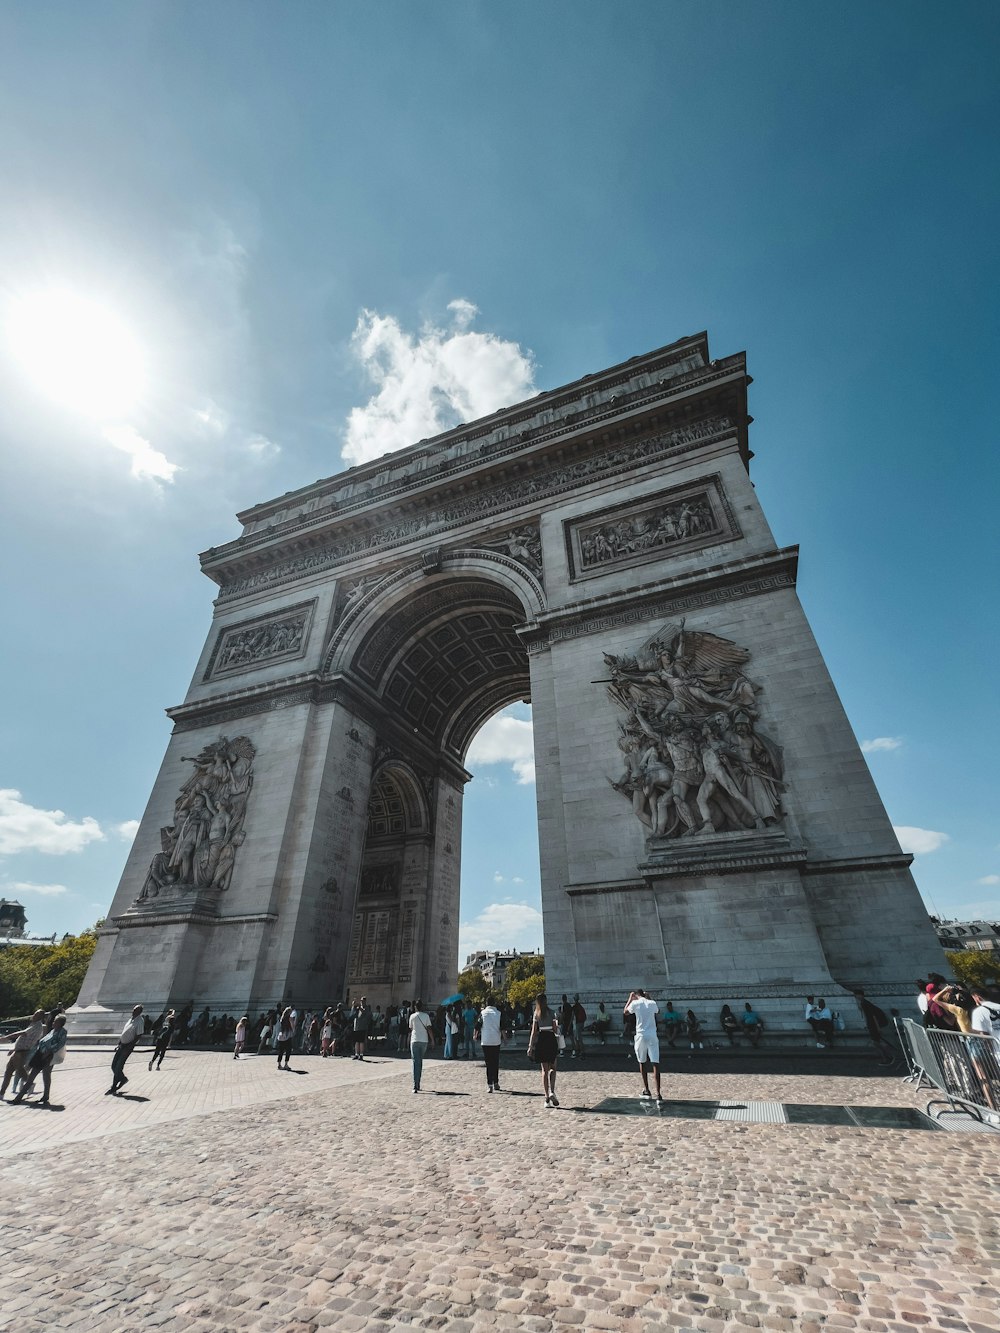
<point>525,990</point>
<point>975,967</point>
<point>40,976</point>
<point>520,969</point>
<point>473,985</point>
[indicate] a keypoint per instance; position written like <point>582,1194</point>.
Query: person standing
<point>241,1037</point>
<point>579,1023</point>
<point>566,1019</point>
<point>25,1042</point>
<point>326,1036</point>
<point>875,1020</point>
<point>543,1046</point>
<point>130,1034</point>
<point>285,1033</point>
<point>362,1022</point>
<point>470,1024</point>
<point>42,1059</point>
<point>647,1044</point>
<point>490,1033</point>
<point>162,1039</point>
<point>421,1036</point>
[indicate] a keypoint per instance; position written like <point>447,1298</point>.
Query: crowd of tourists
<point>464,1030</point>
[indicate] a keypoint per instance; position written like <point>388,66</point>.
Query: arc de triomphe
<point>707,823</point>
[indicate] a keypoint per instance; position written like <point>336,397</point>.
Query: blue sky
<point>280,208</point>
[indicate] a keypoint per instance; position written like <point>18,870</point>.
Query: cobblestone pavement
<point>240,1198</point>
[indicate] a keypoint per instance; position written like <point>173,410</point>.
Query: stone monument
<point>707,823</point>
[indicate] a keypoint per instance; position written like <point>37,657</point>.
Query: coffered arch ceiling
<point>447,658</point>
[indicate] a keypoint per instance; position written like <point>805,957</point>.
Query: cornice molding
<point>749,577</point>
<point>494,498</point>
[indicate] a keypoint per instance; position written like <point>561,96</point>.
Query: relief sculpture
<point>259,643</point>
<point>523,545</point>
<point>200,846</point>
<point>695,761</point>
<point>671,523</point>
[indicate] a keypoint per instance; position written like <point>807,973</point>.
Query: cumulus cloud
<point>430,381</point>
<point>127,830</point>
<point>261,449</point>
<point>881,743</point>
<point>919,841</point>
<point>989,879</point>
<point>45,890</point>
<point>505,925</point>
<point>505,740</point>
<point>146,461</point>
<point>24,828</point>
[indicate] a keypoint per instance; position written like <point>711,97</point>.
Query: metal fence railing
<point>964,1067</point>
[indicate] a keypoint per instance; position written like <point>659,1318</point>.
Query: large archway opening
<point>442,657</point>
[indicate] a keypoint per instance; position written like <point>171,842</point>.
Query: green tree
<point>40,976</point>
<point>531,965</point>
<point>525,990</point>
<point>975,967</point>
<point>472,984</point>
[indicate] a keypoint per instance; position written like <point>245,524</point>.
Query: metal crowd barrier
<point>965,1067</point>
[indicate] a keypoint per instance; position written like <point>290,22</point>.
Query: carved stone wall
<point>263,641</point>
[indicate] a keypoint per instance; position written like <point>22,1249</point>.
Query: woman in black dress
<point>543,1046</point>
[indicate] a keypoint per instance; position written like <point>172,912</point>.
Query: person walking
<point>490,1034</point>
<point>421,1036</point>
<point>25,1042</point>
<point>163,1039</point>
<point>130,1034</point>
<point>875,1020</point>
<point>285,1036</point>
<point>241,1037</point>
<point>42,1058</point>
<point>543,1046</point>
<point>647,1043</point>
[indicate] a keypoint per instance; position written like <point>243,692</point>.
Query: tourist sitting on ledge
<point>673,1023</point>
<point>729,1024</point>
<point>753,1024</point>
<point>601,1025</point>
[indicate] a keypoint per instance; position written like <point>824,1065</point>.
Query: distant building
<point>982,935</point>
<point>494,964</point>
<point>14,924</point>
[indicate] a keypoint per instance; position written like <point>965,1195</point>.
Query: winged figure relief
<point>695,761</point>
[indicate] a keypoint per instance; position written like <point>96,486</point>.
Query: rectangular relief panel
<point>276,637</point>
<point>638,531</point>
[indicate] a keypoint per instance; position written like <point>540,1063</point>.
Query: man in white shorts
<point>647,1044</point>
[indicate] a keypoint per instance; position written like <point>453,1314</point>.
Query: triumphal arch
<point>707,823</point>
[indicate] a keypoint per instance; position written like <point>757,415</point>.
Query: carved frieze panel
<point>261,642</point>
<point>695,759</point>
<point>682,519</point>
<point>200,847</point>
<point>381,881</point>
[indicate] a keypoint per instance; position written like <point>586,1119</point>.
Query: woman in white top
<point>421,1036</point>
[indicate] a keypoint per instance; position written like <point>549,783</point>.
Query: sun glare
<point>78,352</point>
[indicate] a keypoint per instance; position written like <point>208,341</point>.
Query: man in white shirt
<point>647,1044</point>
<point>127,1042</point>
<point>984,1048</point>
<point>490,1037</point>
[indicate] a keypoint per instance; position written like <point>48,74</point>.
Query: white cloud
<point>146,461</point>
<point>431,381</point>
<point>881,743</point>
<point>989,879</point>
<point>983,910</point>
<point>504,925</point>
<point>24,828</point>
<point>46,890</point>
<point>505,740</point>
<point>516,879</point>
<point>261,449</point>
<point>497,877</point>
<point>919,841</point>
<point>127,830</point>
